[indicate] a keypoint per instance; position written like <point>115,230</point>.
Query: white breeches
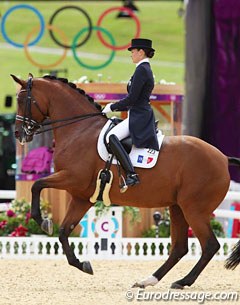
<point>121,130</point>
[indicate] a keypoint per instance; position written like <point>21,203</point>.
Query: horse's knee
<point>37,186</point>
<point>179,251</point>
<point>183,252</point>
<point>212,246</point>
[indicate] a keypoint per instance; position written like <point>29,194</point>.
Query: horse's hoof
<point>150,281</point>
<point>177,286</point>
<point>138,285</point>
<point>47,226</point>
<point>87,268</point>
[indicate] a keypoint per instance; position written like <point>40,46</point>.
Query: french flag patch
<point>149,160</point>
<point>140,159</point>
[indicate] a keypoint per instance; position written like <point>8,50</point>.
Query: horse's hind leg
<point>76,210</point>
<point>179,236</point>
<point>200,224</point>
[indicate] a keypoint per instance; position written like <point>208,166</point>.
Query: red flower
<point>10,213</point>
<point>19,231</point>
<point>3,224</point>
<point>28,216</point>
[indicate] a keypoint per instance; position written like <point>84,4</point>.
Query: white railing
<point>4,194</point>
<point>117,248</point>
<point>227,213</point>
<point>233,195</point>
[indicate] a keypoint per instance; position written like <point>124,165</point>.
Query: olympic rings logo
<point>64,41</point>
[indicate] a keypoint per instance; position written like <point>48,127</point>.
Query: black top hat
<point>141,43</point>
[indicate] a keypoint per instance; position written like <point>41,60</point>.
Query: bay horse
<point>191,176</point>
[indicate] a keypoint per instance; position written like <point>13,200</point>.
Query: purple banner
<point>154,97</point>
<point>223,110</point>
<point>29,177</point>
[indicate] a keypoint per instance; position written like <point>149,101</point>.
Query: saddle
<point>140,157</point>
<point>126,142</point>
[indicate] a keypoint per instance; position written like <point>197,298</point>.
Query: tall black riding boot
<point>121,154</point>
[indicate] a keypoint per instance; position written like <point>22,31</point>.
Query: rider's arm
<point>138,81</point>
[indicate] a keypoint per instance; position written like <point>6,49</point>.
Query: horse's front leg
<point>76,210</point>
<point>53,181</point>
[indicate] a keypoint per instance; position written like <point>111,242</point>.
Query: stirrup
<point>123,186</point>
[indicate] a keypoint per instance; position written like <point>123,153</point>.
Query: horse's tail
<point>234,258</point>
<point>233,161</point>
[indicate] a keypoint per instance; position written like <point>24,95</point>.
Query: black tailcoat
<point>141,116</point>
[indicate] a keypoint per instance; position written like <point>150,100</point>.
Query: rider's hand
<point>107,108</point>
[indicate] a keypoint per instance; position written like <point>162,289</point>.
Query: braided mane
<point>72,85</point>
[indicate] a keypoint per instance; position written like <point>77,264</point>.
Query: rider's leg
<point>121,154</point>
<point>120,132</point>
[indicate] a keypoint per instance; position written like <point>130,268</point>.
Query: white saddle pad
<point>140,157</point>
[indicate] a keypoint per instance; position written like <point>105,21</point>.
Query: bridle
<point>29,125</point>
<point>32,127</point>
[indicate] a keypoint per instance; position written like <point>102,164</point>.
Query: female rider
<point>140,123</point>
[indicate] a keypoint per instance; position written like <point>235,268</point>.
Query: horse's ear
<point>21,82</point>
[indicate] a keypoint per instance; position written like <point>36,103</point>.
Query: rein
<point>32,127</point>
<point>75,118</point>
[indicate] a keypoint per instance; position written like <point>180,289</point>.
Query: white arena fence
<point>44,247</point>
<point>5,194</point>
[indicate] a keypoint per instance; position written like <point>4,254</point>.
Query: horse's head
<point>29,113</point>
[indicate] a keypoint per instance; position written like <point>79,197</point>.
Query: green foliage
<point>132,212</point>
<point>163,229</point>
<point>17,222</point>
<point>217,227</point>
<point>11,224</point>
<point>33,227</point>
<point>101,208</point>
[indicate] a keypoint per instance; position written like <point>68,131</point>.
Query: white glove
<point>107,108</point>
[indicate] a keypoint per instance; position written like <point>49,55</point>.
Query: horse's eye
<point>20,101</point>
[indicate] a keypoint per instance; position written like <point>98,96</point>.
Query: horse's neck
<point>68,104</point>
<point>65,103</point>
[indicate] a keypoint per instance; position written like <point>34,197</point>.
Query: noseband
<point>29,125</point>
<point>32,127</point>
